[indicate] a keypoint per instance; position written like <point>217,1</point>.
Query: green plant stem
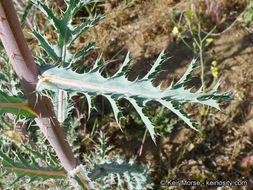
<point>39,172</point>
<point>173,21</point>
<point>184,41</point>
<point>201,52</point>
<point>209,33</point>
<point>202,63</point>
<point>199,42</point>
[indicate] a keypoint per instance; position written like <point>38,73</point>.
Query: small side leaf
<point>51,51</point>
<point>139,107</point>
<point>187,74</point>
<point>15,105</point>
<point>116,109</point>
<point>156,67</point>
<point>124,67</point>
<point>174,107</point>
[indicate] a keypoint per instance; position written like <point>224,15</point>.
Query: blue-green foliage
<point>5,99</point>
<point>138,92</point>
<point>26,12</point>
<point>67,34</point>
<point>108,171</point>
<point>112,169</point>
<point>248,15</point>
<point>100,170</point>
<point>9,82</point>
<point>92,83</point>
<point>10,91</point>
<point>34,165</point>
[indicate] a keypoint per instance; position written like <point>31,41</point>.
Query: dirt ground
<point>138,26</point>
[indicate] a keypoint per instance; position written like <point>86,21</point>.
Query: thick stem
<point>22,61</point>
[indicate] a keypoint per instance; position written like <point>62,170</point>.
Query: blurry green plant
<point>163,119</point>
<point>194,20</point>
<point>200,43</point>
<point>248,15</point>
<point>201,40</point>
<point>41,169</point>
